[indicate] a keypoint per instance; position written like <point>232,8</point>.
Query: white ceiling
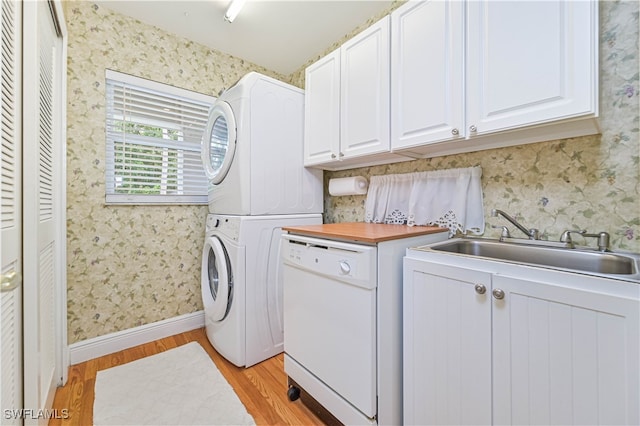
<point>280,35</point>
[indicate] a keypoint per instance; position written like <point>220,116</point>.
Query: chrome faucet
<point>603,238</point>
<point>532,234</point>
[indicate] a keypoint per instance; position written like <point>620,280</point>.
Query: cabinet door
<point>564,356</point>
<point>322,110</point>
<point>427,53</point>
<point>530,62</point>
<point>364,115</point>
<point>446,345</point>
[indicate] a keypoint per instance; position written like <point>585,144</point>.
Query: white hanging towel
<point>449,198</point>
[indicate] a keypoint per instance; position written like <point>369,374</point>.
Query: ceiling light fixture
<point>233,10</point>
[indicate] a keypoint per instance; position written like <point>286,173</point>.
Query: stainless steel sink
<point>616,265</point>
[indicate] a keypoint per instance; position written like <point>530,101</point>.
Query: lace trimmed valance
<point>447,198</point>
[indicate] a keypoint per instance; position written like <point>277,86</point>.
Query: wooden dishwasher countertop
<point>363,232</point>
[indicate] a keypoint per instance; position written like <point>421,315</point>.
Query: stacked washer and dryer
<point>252,153</point>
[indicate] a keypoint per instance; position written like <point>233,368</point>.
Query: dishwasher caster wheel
<point>293,393</point>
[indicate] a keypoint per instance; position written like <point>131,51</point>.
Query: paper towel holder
<point>355,185</point>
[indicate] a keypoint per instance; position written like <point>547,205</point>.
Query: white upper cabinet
<point>455,76</point>
<point>483,74</point>
<point>427,54</point>
<point>347,104</point>
<point>364,93</point>
<point>529,62</point>
<point>322,110</point>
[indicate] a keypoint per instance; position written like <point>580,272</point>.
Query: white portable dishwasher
<point>343,319</point>
<point>330,323</point>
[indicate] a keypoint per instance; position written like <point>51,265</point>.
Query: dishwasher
<point>330,318</point>
<point>342,309</point>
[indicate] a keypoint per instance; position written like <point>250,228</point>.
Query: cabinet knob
<point>341,155</point>
<point>498,294</point>
<point>455,132</point>
<point>10,281</point>
<point>480,289</point>
<point>473,128</point>
<point>333,156</point>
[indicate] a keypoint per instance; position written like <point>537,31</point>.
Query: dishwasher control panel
<point>353,263</point>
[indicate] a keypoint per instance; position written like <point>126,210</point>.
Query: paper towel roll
<point>355,185</point>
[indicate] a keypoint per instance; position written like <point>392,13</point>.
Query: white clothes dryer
<point>252,151</point>
<point>242,284</point>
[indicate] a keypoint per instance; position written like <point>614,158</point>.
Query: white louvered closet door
<point>43,201</point>
<point>10,133</point>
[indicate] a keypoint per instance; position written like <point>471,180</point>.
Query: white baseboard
<point>114,342</point>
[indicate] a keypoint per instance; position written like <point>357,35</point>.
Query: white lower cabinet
<point>447,345</point>
<point>563,355</point>
<point>490,346</point>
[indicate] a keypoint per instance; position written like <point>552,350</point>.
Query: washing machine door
<point>219,142</point>
<point>217,279</point>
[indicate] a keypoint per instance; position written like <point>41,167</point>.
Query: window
<point>153,142</point>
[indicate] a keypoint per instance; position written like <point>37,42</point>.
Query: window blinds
<point>153,142</point>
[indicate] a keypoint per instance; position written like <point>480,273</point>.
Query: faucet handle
<point>505,231</point>
<point>566,235</point>
<point>534,234</point>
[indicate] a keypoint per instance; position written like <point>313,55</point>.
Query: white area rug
<point>181,386</point>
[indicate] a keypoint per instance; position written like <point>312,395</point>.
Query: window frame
<point>182,152</point>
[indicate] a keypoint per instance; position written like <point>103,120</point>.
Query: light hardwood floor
<point>262,388</point>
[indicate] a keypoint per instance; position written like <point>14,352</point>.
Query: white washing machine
<point>252,151</point>
<point>242,284</point>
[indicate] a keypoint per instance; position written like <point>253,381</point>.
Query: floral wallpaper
<point>128,265</point>
<point>588,183</point>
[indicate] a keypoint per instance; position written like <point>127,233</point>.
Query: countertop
<point>371,233</point>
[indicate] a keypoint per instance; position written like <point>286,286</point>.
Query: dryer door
<point>219,142</point>
<point>217,279</point>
